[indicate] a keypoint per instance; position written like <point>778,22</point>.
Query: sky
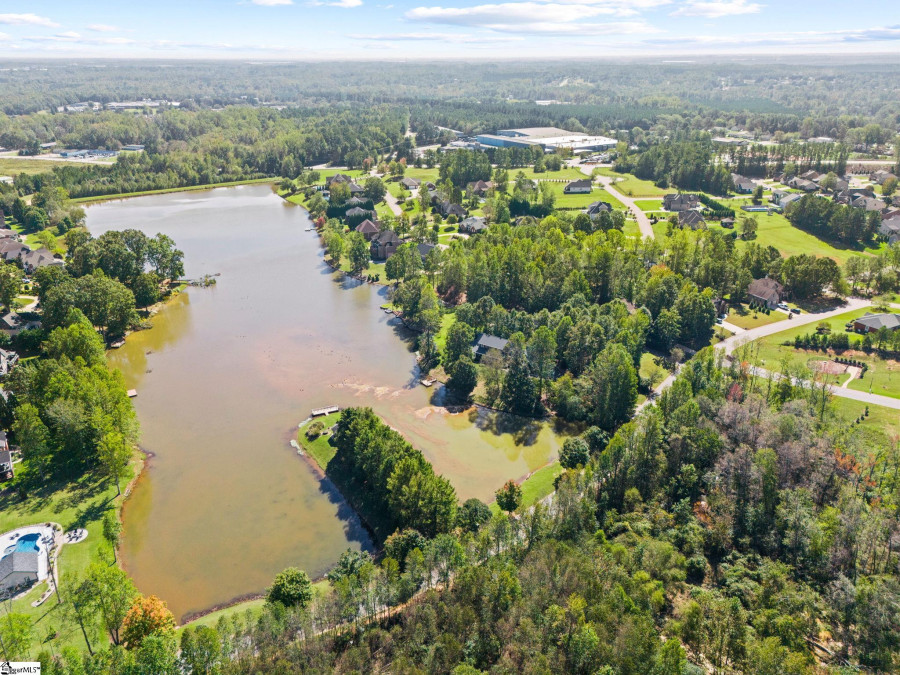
<point>419,29</point>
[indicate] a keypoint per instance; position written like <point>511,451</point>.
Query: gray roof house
<point>356,189</point>
<point>579,187</point>
<point>21,566</point>
<point>765,292</point>
<point>681,202</point>
<point>485,343</point>
<point>356,211</point>
<point>448,208</point>
<point>870,323</point>
<point>691,219</point>
<point>596,208</point>
<point>742,185</point>
<point>8,359</point>
<point>424,249</point>
<point>473,225</point>
<point>890,228</point>
<point>6,464</point>
<point>410,183</point>
<point>42,257</point>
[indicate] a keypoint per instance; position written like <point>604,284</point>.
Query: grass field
<point>575,201</point>
<point>632,186</point>
<point>447,320</point>
<point>319,448</point>
<point>599,194</point>
<point>746,318</point>
<point>80,503</point>
<point>882,376</point>
<point>10,166</point>
<point>567,172</point>
<point>882,425</point>
<point>649,205</point>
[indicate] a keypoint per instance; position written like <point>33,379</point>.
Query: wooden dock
<point>132,393</point>
<point>319,412</point>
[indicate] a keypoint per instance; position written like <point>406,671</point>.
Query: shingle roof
<point>486,341</point>
<point>876,321</point>
<point>765,288</point>
<point>19,561</point>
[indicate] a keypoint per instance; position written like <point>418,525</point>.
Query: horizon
<point>361,30</point>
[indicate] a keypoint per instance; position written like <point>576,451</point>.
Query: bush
<point>315,430</point>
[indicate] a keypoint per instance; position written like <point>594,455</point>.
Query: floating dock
<point>132,393</point>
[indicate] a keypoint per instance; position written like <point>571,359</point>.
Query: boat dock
<point>319,412</point>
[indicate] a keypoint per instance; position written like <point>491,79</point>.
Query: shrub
<point>315,430</point>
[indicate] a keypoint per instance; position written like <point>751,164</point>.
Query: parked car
<point>783,305</point>
<point>795,310</point>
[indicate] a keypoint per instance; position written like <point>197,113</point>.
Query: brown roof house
<point>691,219</point>
<point>384,245</point>
<point>480,187</point>
<point>765,292</point>
<point>681,202</point>
<point>368,229</point>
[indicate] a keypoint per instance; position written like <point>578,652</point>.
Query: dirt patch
<point>830,367</point>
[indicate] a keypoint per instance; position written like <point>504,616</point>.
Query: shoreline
<point>164,191</point>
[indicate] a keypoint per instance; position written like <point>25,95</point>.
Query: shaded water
<point>227,372</point>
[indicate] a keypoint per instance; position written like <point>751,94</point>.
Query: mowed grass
<point>881,427</point>
<point>882,376</point>
<point>632,186</point>
<point>319,448</point>
<point>567,172</point>
<point>536,487</point>
<point>746,318</point>
<point>649,205</point>
<point>79,503</point>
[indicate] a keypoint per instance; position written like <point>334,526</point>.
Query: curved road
<point>642,220</point>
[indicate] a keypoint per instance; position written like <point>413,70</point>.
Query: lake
<point>226,373</point>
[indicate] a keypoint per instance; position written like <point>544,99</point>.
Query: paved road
<point>642,220</point>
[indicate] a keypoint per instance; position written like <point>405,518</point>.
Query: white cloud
<point>716,9</point>
<point>346,4</point>
<point>272,3</point>
<point>27,20</point>
<point>102,28</point>
<point>453,38</point>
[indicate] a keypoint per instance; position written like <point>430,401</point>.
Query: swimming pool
<point>26,543</point>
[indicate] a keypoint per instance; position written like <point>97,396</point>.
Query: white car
<point>783,305</point>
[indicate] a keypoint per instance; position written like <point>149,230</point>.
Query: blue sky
<point>403,29</point>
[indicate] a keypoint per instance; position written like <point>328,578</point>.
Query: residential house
<point>727,223</point>
<point>890,229</point>
<point>424,249</point>
<point>691,219</point>
<point>338,178</point>
<point>880,176</point>
<point>766,292</point>
<point>868,203</point>
<point>6,233</point>
<point>485,343</point>
<point>10,249</point>
<point>384,245</point>
<point>7,470</point>
<point>42,257</point>
<point>355,189</point>
<point>480,188</point>
<point>782,199</point>
<point>872,323</point>
<point>473,225</point>
<point>804,184</point>
<point>447,208</point>
<point>8,359</point>
<point>743,185</point>
<point>810,175</point>
<point>355,201</point>
<point>681,202</point>
<point>23,565</point>
<point>579,187</point>
<point>13,324</point>
<point>368,229</point>
<point>596,208</point>
<point>356,212</point>
<point>410,183</point>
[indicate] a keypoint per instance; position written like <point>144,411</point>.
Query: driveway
<point>642,220</point>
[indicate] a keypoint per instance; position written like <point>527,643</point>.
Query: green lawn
<point>328,173</point>
<point>10,166</point>
<point>79,503</point>
<point>882,376</point>
<point>447,320</point>
<point>632,186</point>
<point>574,201</point>
<point>650,370</point>
<point>319,448</point>
<point>567,172</point>
<point>880,427</point>
<point>537,486</point>
<point>649,204</point>
<point>746,318</point>
<point>423,174</point>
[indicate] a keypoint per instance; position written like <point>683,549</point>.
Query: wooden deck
<point>318,412</point>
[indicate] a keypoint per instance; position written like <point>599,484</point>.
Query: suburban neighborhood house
<point>24,563</point>
<point>578,187</point>
<point>368,229</point>
<point>765,292</point>
<point>384,245</point>
<point>7,471</point>
<point>596,208</point>
<point>872,323</point>
<point>681,202</point>
<point>743,185</point>
<point>691,219</point>
<point>485,343</point>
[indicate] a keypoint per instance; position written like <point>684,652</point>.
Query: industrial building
<point>549,138</point>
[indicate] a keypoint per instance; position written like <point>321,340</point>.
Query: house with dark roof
<point>355,201</point>
<point>691,219</point>
<point>8,359</point>
<point>338,178</point>
<point>804,184</point>
<point>579,187</point>
<point>810,175</point>
<point>447,208</point>
<point>765,292</point>
<point>596,208</point>
<point>890,229</point>
<point>880,176</point>
<point>368,229</point>
<point>479,188</point>
<point>356,212</point>
<point>42,257</point>
<point>869,204</point>
<point>681,202</point>
<point>410,183</point>
<point>473,225</point>
<point>424,249</point>
<point>872,323</point>
<point>727,223</point>
<point>743,185</point>
<point>356,189</point>
<point>485,343</point>
<point>10,249</point>
<point>384,245</point>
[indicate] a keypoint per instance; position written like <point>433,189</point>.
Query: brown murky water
<point>225,375</point>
